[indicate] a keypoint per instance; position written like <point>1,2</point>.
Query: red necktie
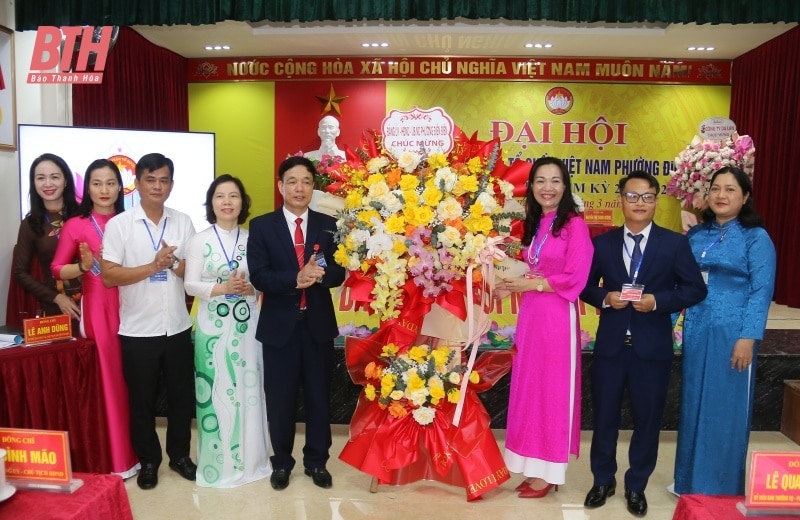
<point>300,251</point>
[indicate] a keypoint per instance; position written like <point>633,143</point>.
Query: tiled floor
<point>350,499</point>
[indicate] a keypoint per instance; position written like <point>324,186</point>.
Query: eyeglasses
<point>633,197</point>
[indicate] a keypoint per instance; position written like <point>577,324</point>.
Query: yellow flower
<point>418,353</point>
<point>390,350</point>
<point>437,160</point>
<point>474,377</point>
<point>453,395</point>
<point>411,197</point>
<point>367,215</point>
<point>353,200</point>
<point>369,392</point>
<point>468,183</point>
<point>476,209</point>
<point>415,382</point>
<point>441,355</point>
<point>340,256</point>
<point>432,196</point>
<point>424,215</point>
<point>475,165</point>
<point>396,224</point>
<point>478,224</point>
<point>387,384</point>
<point>399,247</point>
<point>408,182</point>
<point>436,388</point>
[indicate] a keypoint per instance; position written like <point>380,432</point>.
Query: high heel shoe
<point>537,493</point>
<point>522,486</point>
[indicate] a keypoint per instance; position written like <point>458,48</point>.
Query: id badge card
<point>95,267</point>
<point>319,258</point>
<point>160,276</point>
<point>704,273</point>
<point>631,292</point>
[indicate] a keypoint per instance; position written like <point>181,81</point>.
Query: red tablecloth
<point>58,387</point>
<point>702,507</point>
<point>101,496</point>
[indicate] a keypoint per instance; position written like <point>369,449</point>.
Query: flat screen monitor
<point>191,152</point>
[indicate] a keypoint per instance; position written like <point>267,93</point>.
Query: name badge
<point>631,292</point>
<point>705,276</point>
<point>160,276</point>
<point>95,267</point>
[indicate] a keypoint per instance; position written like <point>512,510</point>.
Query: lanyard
<point>100,231</point>
<point>638,264</point>
<point>227,258</point>
<point>538,248</point>
<point>717,240</point>
<point>155,244</point>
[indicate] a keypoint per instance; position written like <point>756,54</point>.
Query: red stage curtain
<point>766,106</point>
<point>144,87</point>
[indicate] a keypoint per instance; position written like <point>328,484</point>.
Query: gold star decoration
<point>331,102</point>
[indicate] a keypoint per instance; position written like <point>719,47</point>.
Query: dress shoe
<point>148,475</point>
<point>523,486</point>
<point>320,476</point>
<point>598,494</point>
<point>637,503</point>
<point>184,467</point>
<point>279,479</point>
<point>537,493</point>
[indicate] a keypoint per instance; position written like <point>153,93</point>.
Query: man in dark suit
<point>290,253</point>
<point>647,273</point>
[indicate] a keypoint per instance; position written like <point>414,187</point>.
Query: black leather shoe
<point>185,468</point>
<point>637,503</point>
<point>148,475</point>
<point>279,479</point>
<point>320,476</point>
<point>596,496</point>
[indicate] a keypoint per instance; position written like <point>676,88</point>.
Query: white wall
<point>36,104</point>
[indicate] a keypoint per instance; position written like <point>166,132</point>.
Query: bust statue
<point>328,131</point>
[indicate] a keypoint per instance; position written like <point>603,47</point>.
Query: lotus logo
<point>558,100</point>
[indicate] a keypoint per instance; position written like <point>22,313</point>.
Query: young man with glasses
<point>647,273</point>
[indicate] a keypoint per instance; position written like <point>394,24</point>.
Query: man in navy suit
<point>297,323</point>
<point>647,273</point>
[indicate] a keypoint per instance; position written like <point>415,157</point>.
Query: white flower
<point>375,164</point>
<point>418,397</point>
<point>454,378</point>
<point>408,161</point>
<point>424,415</point>
<point>450,236</point>
<point>359,236</point>
<point>391,203</point>
<point>487,201</point>
<point>448,176</point>
<point>449,209</point>
<point>396,395</point>
<point>378,190</point>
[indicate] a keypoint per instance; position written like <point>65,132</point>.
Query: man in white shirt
<point>141,255</point>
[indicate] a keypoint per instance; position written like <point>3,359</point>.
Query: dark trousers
<point>646,381</point>
<point>300,362</point>
<point>143,360</point>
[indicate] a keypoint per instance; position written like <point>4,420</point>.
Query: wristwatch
<point>175,264</point>
<point>540,287</point>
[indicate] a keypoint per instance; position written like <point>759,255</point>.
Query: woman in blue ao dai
<point>232,438</point>
<point>720,341</point>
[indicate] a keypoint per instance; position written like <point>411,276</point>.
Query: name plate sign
<point>47,329</point>
<point>40,456</point>
<point>774,486</point>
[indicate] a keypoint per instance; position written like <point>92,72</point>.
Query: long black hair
<point>748,216</point>
<point>86,206</point>
<point>567,208</point>
<point>37,213</point>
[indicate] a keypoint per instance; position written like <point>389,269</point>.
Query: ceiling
<point>464,38</point>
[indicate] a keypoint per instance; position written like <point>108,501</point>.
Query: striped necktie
<point>300,251</point>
